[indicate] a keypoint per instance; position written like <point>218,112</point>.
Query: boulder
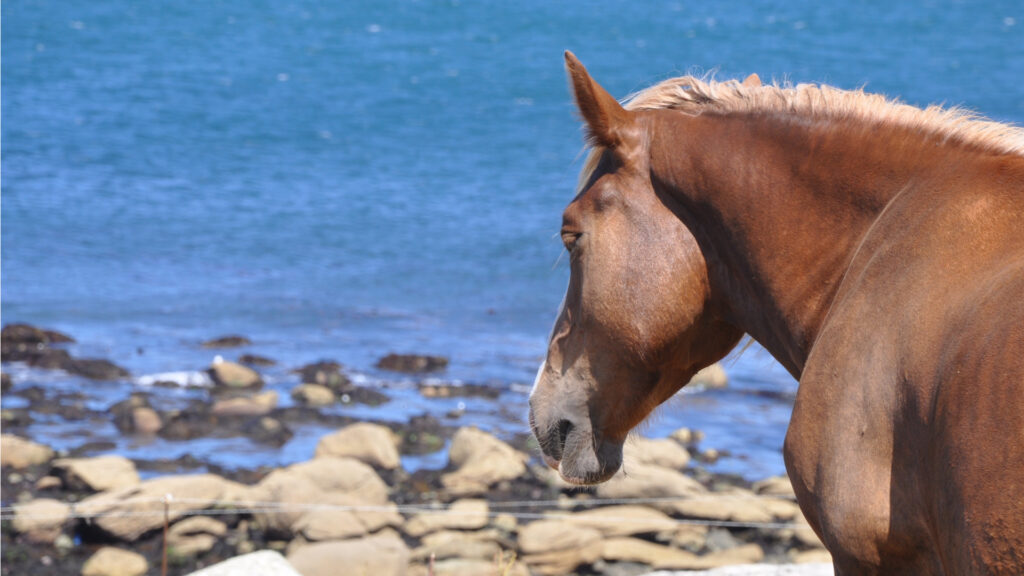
<point>313,395</point>
<point>552,547</point>
<point>471,567</point>
<point>625,520</point>
<point>129,513</point>
<point>377,555</point>
<point>664,452</point>
<point>736,505</point>
<point>256,405</point>
<point>96,474</point>
<point>145,420</point>
<point>262,563</point>
<point>373,444</point>
<point>19,453</point>
<point>27,335</point>
<point>461,515</point>
<point>775,486</point>
<point>256,360</point>
<point>645,481</point>
<point>713,376</point>
<point>325,373</point>
<point>817,556</point>
<point>412,363</point>
<point>686,436</point>
<point>481,460</point>
<point>5,382</point>
<point>41,521</point>
<point>110,561</point>
<point>230,341</point>
<point>232,375</point>
<point>481,544</point>
<point>95,368</point>
<point>195,535</point>
<point>643,552</point>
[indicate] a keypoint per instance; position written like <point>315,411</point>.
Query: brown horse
<point>875,249</point>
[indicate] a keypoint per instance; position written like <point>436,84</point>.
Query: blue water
<point>345,179</point>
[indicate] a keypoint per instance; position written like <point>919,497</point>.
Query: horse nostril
<point>564,428</point>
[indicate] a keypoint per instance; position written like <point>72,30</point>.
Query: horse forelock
<point>694,95</point>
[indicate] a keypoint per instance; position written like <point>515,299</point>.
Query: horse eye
<point>570,239</point>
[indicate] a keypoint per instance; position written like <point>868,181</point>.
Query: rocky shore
<point>492,509</point>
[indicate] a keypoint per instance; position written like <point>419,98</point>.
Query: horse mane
<point>693,95</point>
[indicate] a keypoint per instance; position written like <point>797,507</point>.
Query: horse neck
<point>779,207</point>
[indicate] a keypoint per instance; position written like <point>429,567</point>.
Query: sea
<point>341,180</point>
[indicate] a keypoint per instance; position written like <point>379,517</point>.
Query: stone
<point>645,481</point>
<point>42,520</point>
<point>686,436</point>
<point>775,486</point>
<point>376,555</point>
<point>255,405</point>
<point>643,552</point>
<point>625,520</point>
<point>552,547</point>
<point>373,444</point>
<point>129,513</point>
<point>256,360</point>
<point>95,369</point>
<point>313,395</point>
<point>464,514</point>
<point>712,377</point>
<point>145,420</point>
<point>736,505</point>
<point>5,382</point>
<point>471,567</point>
<point>664,452</point>
<point>412,363</point>
<point>466,549</point>
<point>96,474</point>
<point>231,341</point>
<point>262,563</point>
<point>481,460</point>
<point>816,556</point>
<point>195,535</point>
<point>19,453</point>
<point>232,375</point>
<point>745,554</point>
<point>692,537</point>
<point>325,373</point>
<point>110,561</point>
<point>48,483</point>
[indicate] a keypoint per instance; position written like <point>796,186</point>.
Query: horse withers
<point>875,249</point>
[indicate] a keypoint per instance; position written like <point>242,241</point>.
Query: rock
<point>758,570</point>
<point>129,513</point>
<point>41,521</point>
<point>325,373</point>
<point>262,563</point>
<point>720,539</point>
<point>373,444</point>
<point>643,552</point>
<point>95,369</point>
<point>256,405</point>
<point>482,545</point>
<point>736,505</point>
<point>624,520</point>
<point>412,363</point>
<point>481,460</point>
<point>110,561</point>
<point>96,474</point>
<point>713,376</point>
<point>692,537</point>
<point>231,375</point>
<point>347,484</point>
<point>256,360</point>
<point>313,395</point>
<point>232,341</point>
<point>745,554</point>
<point>686,436</point>
<point>645,481</point>
<point>471,567</point>
<point>375,555</point>
<point>558,547</point>
<point>461,515</point>
<point>448,390</point>
<point>817,556</point>
<point>145,420</point>
<point>19,453</point>
<point>665,453</point>
<point>268,431</point>
<point>27,334</point>
<point>5,382</point>
<point>775,486</point>
<point>363,395</point>
<point>195,535</point>
<point>48,483</point>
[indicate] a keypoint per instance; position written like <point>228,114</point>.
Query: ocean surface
<point>342,180</point>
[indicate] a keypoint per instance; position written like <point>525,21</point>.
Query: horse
<point>874,248</point>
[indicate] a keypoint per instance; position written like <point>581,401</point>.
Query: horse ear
<point>604,116</point>
<point>753,81</point>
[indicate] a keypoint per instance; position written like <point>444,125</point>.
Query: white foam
<point>184,379</point>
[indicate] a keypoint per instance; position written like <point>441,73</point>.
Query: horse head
<point>638,319</point>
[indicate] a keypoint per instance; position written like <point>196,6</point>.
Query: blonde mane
<point>694,95</point>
